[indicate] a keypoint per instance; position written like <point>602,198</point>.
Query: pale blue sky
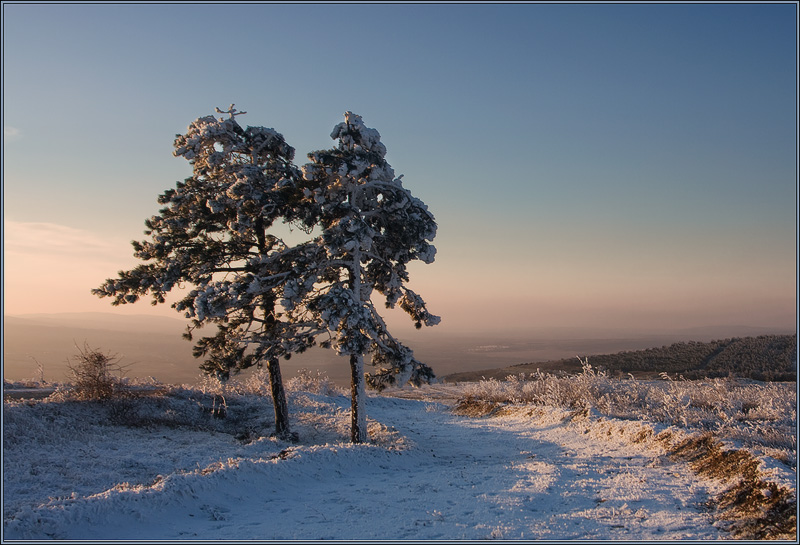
<point>612,165</point>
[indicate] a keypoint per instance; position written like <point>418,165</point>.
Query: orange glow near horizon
<point>51,269</point>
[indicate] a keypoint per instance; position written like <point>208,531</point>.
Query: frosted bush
<point>209,384</point>
<point>257,383</point>
<point>316,382</point>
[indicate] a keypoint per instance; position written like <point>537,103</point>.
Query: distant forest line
<point>764,358</point>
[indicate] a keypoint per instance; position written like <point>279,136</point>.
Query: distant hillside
<point>766,358</point>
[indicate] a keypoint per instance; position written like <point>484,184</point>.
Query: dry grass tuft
<point>753,508</point>
<point>708,458</point>
<point>758,510</point>
<point>475,407</point>
<point>643,435</point>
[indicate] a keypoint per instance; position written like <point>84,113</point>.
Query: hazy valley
<point>39,344</point>
<point>152,346</point>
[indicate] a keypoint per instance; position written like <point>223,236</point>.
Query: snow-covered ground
<point>84,471</point>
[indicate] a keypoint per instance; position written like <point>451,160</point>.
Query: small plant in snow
<point>95,375</point>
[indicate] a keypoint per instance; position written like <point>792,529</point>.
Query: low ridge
<point>765,358</point>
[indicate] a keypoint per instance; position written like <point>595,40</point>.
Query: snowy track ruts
<point>512,478</point>
<point>461,478</point>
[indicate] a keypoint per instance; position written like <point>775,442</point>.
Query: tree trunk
<point>282,430</point>
<point>358,398</point>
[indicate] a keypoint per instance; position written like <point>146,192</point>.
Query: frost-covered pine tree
<point>213,235</point>
<point>372,227</point>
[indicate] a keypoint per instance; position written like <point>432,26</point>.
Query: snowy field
<point>163,467</point>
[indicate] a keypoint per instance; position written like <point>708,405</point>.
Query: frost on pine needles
<point>213,236</point>
<point>372,227</point>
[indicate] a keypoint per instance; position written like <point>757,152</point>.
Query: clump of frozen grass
<point>755,413</point>
<point>579,391</point>
<point>313,382</point>
<point>256,383</point>
<point>30,384</point>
